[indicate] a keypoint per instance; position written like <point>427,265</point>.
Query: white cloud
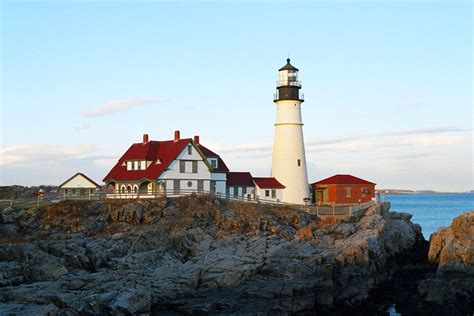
<point>33,153</point>
<point>118,105</point>
<point>413,137</point>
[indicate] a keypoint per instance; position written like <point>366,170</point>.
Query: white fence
<point>337,210</point>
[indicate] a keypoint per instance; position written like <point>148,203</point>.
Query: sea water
<point>432,211</point>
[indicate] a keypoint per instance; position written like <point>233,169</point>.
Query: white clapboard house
<point>79,186</point>
<point>172,167</point>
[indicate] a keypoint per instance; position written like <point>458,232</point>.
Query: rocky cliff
<point>195,255</point>
<point>451,288</point>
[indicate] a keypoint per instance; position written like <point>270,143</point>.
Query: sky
<point>387,85</point>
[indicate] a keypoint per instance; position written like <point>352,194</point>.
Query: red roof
<point>343,179</point>
<point>239,179</point>
<point>221,166</point>
<point>268,183</point>
<point>164,151</point>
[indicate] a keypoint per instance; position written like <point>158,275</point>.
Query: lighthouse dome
<point>288,66</point>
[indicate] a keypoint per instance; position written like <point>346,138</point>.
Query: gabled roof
<point>164,151</point>
<point>343,179</point>
<point>80,174</point>
<point>239,179</point>
<point>268,183</point>
<point>221,166</point>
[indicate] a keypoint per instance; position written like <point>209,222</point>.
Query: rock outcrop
<point>451,251</point>
<point>194,255</point>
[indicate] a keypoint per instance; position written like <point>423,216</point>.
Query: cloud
<point>34,153</point>
<point>117,106</point>
<point>364,141</point>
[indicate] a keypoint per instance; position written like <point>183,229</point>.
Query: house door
<point>320,197</point>
<point>176,186</point>
<point>200,185</point>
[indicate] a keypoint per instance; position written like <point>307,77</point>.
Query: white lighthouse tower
<point>289,159</point>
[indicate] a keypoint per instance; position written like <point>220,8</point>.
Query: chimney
<point>176,135</point>
<point>196,139</point>
<point>145,138</point>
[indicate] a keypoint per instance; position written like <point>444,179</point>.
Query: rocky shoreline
<point>200,255</point>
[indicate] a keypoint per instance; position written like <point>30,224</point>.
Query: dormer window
<point>214,163</point>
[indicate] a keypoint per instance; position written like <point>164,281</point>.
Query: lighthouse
<point>289,159</point>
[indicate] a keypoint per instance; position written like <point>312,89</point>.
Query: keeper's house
<point>172,167</point>
<point>343,189</point>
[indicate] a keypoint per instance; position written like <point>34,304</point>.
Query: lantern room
<point>288,85</point>
<point>288,75</point>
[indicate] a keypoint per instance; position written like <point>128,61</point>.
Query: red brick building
<point>343,189</point>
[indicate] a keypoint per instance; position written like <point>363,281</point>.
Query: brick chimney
<point>176,135</point>
<point>196,139</point>
<point>145,138</point>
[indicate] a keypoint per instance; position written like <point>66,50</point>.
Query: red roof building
<point>268,189</point>
<point>343,189</point>
<point>268,183</point>
<point>163,167</point>
<point>240,184</point>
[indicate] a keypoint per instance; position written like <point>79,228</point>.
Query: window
<point>213,186</point>
<point>195,166</point>
<point>348,192</point>
<point>214,163</point>
<point>73,191</point>
<point>132,165</point>
<point>244,190</point>
<point>274,194</point>
<point>267,193</point>
<point>190,149</point>
<point>200,185</point>
<point>299,162</point>
<point>236,191</point>
<point>65,191</point>
<point>182,166</point>
<point>190,184</point>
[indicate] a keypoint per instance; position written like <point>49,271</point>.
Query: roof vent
<point>145,138</point>
<point>196,139</point>
<point>176,135</point>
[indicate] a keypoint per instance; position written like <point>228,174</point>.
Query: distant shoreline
<point>413,192</point>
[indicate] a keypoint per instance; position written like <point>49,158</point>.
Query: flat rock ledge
<point>195,255</point>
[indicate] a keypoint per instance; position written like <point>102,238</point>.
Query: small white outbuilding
<point>79,186</point>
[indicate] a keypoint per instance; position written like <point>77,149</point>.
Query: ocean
<point>431,211</point>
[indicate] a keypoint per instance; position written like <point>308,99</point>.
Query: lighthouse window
<point>299,162</point>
